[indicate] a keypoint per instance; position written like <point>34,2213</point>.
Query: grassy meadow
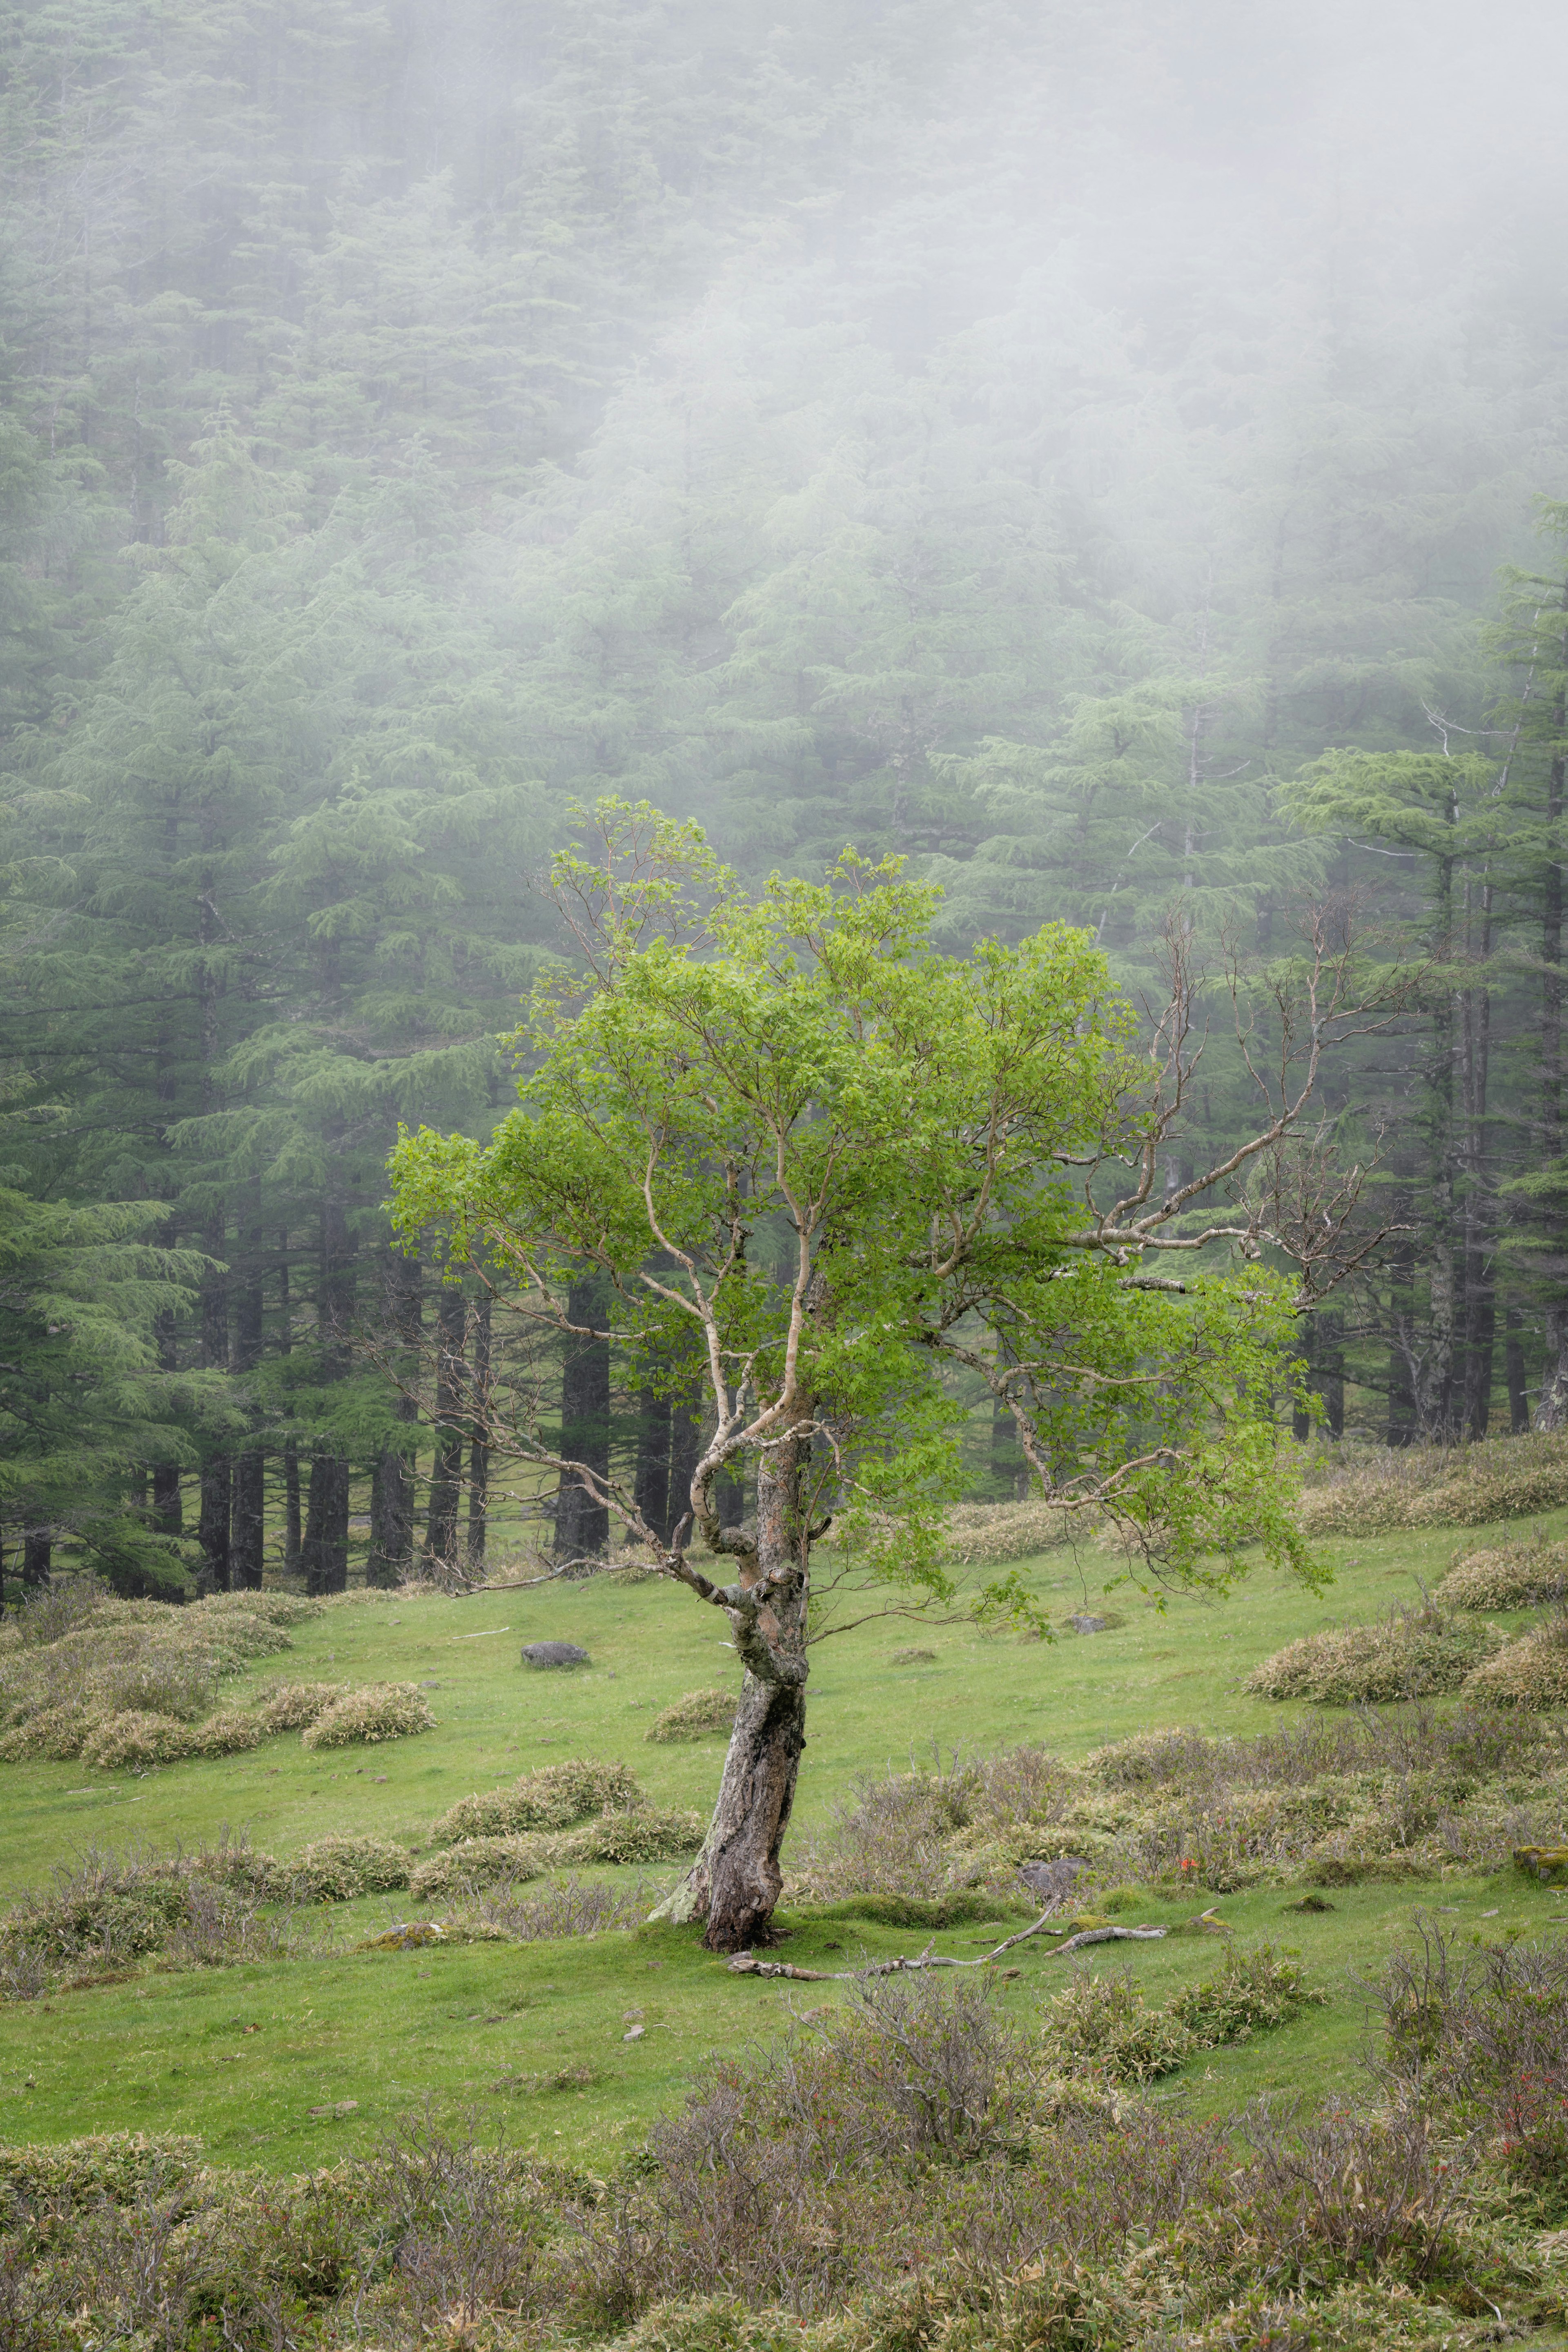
<point>288,2064</point>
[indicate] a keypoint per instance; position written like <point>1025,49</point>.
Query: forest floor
<point>289,2063</point>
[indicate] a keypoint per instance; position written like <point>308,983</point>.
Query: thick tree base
<point>734,1882</point>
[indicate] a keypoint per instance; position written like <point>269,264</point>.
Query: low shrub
<point>1413,1653</point>
<point>338,1869</point>
<point>483,1861</point>
<point>1256,1989</point>
<point>554,1797</point>
<point>1105,2022</point>
<point>226,1733</point>
<point>695,1715</point>
<point>113,1741</point>
<point>272,1608</point>
<point>169,1682</point>
<point>55,1732</point>
<point>1508,1576</point>
<point>232,1629</point>
<point>291,1705</point>
<point>1530,1673</point>
<point>955,1910</point>
<point>377,1712</point>
<point>1421,1486</point>
<point>574,1907</point>
<point>642,1836</point>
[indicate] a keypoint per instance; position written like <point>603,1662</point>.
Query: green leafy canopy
<point>833,1170</point>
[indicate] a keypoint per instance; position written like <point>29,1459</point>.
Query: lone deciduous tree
<point>802,1155</point>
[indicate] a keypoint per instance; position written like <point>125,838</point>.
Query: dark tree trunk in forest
<point>583,1524</point>
<point>669,1445</point>
<point>325,1553</point>
<point>168,1515</point>
<point>1401,1430</point>
<point>392,1505</point>
<point>217,1472</point>
<point>293,1540</point>
<point>734,1882</point>
<point>168,1509</point>
<point>650,1488</point>
<point>479,1432</point>
<point>248,1544</point>
<point>1331,1356</point>
<point>248,1536</point>
<point>1513,1371</point>
<point>447,1475</point>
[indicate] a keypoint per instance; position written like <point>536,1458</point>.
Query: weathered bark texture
<point>735,1881</point>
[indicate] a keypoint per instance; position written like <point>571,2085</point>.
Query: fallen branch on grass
<point>746,1963</point>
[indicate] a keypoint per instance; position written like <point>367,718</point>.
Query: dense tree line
<point>871,427</point>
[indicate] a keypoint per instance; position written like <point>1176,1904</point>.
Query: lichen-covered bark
<point>734,1882</point>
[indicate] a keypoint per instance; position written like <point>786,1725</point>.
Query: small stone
<point>555,1654</point>
<point>1089,1624</point>
<point>635,2034</point>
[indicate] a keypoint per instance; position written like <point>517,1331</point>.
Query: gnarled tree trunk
<point>735,1881</point>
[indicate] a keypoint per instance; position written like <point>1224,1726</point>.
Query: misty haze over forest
<point>1027,440</point>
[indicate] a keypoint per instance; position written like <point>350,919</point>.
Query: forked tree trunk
<point>735,1881</point>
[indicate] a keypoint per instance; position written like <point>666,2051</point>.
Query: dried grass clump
<point>1511,1576</point>
<point>982,1533</point>
<point>695,1715</point>
<point>575,1907</point>
<point>339,1869</point>
<point>642,1836</point>
<point>291,1705</point>
<point>1420,1486</point>
<point>1104,2022</point>
<point>55,1732</point>
<point>1413,1653</point>
<point>1530,1673</point>
<point>113,1741</point>
<point>226,1733</point>
<point>1404,1792</point>
<point>365,1718</point>
<point>482,1861</point>
<point>178,1683</point>
<point>554,1797</point>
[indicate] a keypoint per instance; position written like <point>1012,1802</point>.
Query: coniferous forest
<point>1114,457</point>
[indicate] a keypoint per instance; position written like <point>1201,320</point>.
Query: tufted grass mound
<point>339,1869</point>
<point>696,1715</point>
<point>1413,1653</point>
<point>291,1707</point>
<point>1508,1576</point>
<point>555,1797</point>
<point>1530,1673</point>
<point>365,1718</point>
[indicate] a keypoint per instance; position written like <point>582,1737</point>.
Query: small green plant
<point>1255,1988</point>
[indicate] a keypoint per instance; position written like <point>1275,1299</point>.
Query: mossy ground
<point>392,2031</point>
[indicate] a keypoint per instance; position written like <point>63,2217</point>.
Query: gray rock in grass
<point>555,1654</point>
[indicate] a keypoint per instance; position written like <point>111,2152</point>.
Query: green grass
<point>392,2031</point>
